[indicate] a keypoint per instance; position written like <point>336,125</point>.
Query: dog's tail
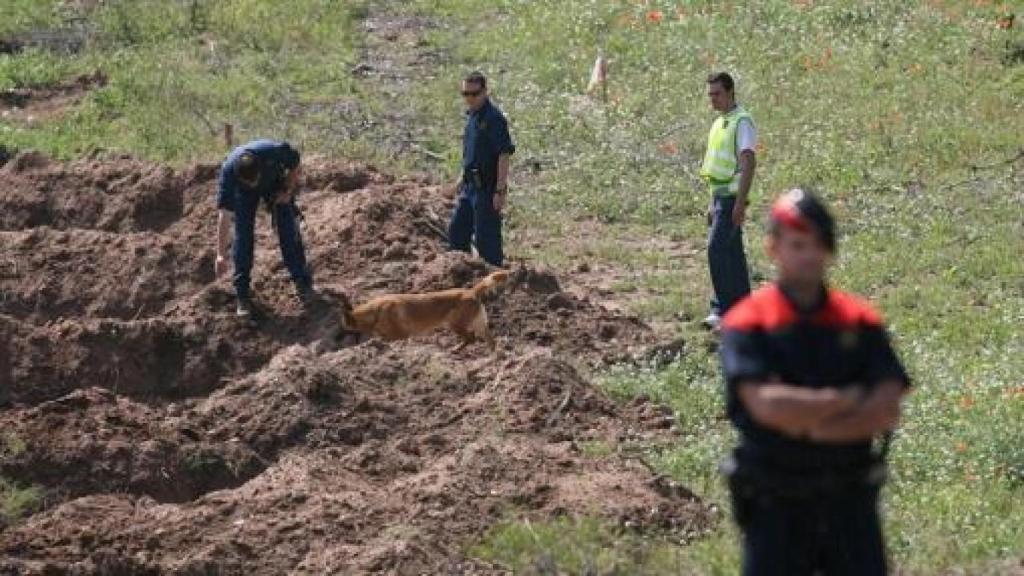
<point>489,283</point>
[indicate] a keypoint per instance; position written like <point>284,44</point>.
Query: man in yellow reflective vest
<point>728,169</point>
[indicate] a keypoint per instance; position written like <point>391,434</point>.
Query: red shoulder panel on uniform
<point>765,309</point>
<point>845,310</point>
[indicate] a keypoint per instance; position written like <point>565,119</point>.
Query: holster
<point>474,177</point>
<point>741,492</point>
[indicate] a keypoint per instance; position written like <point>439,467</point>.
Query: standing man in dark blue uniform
<point>814,388</point>
<point>483,185</point>
<point>264,170</point>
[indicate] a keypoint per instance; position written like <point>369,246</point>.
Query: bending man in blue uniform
<point>260,170</point>
<point>812,381</point>
<point>483,184</point>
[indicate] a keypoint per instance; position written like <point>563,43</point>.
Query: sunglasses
<point>473,93</point>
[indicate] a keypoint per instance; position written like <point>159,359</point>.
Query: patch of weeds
<point>17,501</point>
<point>597,448</point>
<point>204,463</point>
<point>11,445</point>
<point>576,546</point>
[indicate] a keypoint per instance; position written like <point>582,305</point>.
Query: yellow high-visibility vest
<point>721,162</point>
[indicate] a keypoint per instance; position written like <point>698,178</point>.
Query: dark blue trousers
<point>726,259</point>
<point>288,236</point>
<point>836,536</point>
<point>475,218</point>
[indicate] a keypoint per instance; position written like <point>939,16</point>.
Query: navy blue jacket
<point>486,137</point>
<point>275,157</point>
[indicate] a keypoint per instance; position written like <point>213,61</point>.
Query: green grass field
<point>907,115</point>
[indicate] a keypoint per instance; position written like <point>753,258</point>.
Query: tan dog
<point>399,316</point>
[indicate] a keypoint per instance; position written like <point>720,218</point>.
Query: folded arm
<point>794,410</point>
<point>879,412</point>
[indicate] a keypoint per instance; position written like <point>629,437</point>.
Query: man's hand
<point>224,220</point>
<point>850,398</point>
<point>873,413</point>
<point>284,196</point>
<point>291,184</point>
<point>739,212</point>
<point>795,410</point>
<point>220,265</point>
<point>500,199</point>
<point>292,180</point>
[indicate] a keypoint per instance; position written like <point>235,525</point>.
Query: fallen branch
<point>426,152</point>
<point>974,169</point>
<point>1019,156</point>
<point>960,183</point>
<point>436,229</point>
<point>204,119</point>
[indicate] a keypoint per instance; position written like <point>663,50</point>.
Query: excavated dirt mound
<point>93,441</point>
<point>169,437</point>
<point>51,274</point>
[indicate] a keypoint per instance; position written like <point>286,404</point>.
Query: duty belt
<point>754,478</point>
<point>722,191</point>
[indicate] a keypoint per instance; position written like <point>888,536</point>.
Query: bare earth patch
<point>169,437</point>
<point>33,105</point>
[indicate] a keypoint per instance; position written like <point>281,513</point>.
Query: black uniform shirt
<point>840,343</point>
<point>274,157</point>
<point>486,137</point>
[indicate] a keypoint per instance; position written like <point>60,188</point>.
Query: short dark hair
<point>247,167</point>
<point>722,78</point>
<point>476,77</point>
<point>802,209</point>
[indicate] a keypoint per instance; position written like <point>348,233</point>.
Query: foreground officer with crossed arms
<point>812,382</point>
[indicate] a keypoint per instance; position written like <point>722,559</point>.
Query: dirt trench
<point>169,437</point>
